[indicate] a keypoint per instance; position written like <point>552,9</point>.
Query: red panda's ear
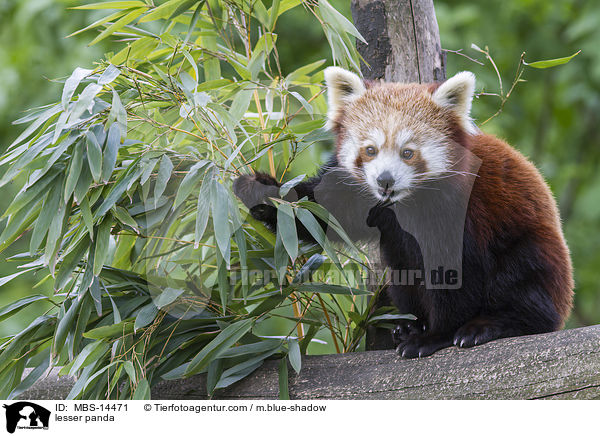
<point>342,87</point>
<point>456,93</point>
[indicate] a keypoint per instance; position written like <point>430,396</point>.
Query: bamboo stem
<point>337,347</point>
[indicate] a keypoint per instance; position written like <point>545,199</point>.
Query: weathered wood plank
<point>560,365</point>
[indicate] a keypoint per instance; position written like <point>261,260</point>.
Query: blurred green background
<point>552,116</point>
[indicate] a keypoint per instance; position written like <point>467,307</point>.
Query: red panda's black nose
<point>385,180</point>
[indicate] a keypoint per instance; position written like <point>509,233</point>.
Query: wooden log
<point>560,365</point>
<point>403,40</point>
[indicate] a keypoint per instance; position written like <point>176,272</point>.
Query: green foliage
<point>127,197</point>
<point>33,50</point>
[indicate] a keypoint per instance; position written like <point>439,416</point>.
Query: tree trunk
<point>403,40</point>
<point>403,45</point>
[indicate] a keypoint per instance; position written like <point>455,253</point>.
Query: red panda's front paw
<point>265,213</point>
<point>422,345</point>
<point>255,189</point>
<point>380,217</point>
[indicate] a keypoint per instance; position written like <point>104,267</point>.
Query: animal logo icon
<point>25,414</point>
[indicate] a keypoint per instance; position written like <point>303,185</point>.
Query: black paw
<point>477,332</point>
<point>255,189</point>
<point>264,213</point>
<point>407,328</point>
<point>379,216</point>
<point>422,345</point>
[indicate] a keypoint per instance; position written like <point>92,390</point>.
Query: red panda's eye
<point>407,154</point>
<point>371,151</point>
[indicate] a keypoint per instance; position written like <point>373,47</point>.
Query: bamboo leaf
<point>286,227</point>
<point>70,263</point>
<point>118,113</point>
<point>130,370</point>
<point>94,155</point>
<point>220,201</point>
<point>33,127</point>
<point>224,340</point>
<point>189,183</point>
<point>123,216</point>
<point>18,223</point>
<point>551,62</point>
<point>31,378</point>
<point>64,325</point>
<point>71,85</point>
<point>203,208</point>
<point>110,331</point>
<point>183,7</point>
<point>95,291</point>
<point>165,10</point>
<point>315,229</point>
<point>119,189</point>
<point>29,194</point>
<point>287,186</point>
<point>294,355</point>
<point>11,309</point>
<point>142,391</point>
<point>240,104</point>
<point>325,288</point>
<point>255,348</point>
<point>119,24</point>
<point>109,75</point>
<point>85,102</point>
<point>91,352</point>
<point>86,215</point>
<point>113,5</point>
<point>111,149</point>
<point>47,214</point>
<point>280,256</point>
<point>102,243</point>
<point>167,296</point>
<point>332,16</point>
<point>390,317</point>
<point>164,174</point>
<point>74,170</point>
<point>303,102</point>
<point>145,316</point>
<point>83,184</point>
<point>241,370</point>
<point>11,350</point>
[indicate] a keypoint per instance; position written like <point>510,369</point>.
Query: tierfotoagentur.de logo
<point>25,415</point>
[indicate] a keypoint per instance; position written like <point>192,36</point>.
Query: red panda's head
<point>392,137</point>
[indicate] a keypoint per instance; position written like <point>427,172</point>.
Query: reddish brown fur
<point>518,274</point>
<point>511,193</point>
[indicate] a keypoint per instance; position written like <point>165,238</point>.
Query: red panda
<point>410,165</point>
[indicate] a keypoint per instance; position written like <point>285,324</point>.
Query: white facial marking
<point>378,137</point>
<point>402,137</point>
<point>403,174</point>
<point>435,156</point>
<point>349,154</point>
<point>432,149</point>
